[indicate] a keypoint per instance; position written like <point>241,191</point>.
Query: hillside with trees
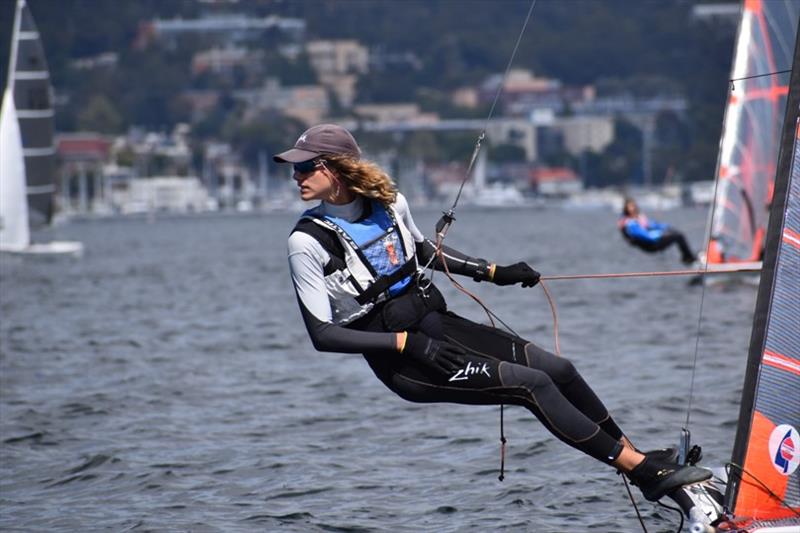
<point>618,46</point>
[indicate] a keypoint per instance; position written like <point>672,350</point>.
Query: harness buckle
<point>423,286</point>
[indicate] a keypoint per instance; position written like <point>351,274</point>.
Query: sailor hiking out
<point>356,262</point>
<point>651,235</point>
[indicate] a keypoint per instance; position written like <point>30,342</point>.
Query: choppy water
<point>165,382</point>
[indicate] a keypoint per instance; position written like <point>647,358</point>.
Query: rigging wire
<point>697,340</point>
<point>449,216</point>
<point>494,103</point>
<point>757,76</point>
<point>443,225</point>
<point>763,485</point>
<point>701,305</point>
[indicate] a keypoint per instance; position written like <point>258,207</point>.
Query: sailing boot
<point>657,478</point>
<point>666,455</point>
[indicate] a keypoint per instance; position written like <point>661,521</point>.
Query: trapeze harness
<point>373,292</point>
<point>640,231</point>
<point>653,236</point>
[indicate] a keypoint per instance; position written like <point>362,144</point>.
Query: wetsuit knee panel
<point>557,413</point>
<point>560,369</point>
<point>513,375</point>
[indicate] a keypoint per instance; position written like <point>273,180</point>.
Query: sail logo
<point>783,449</point>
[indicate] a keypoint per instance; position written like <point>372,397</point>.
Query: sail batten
<point>29,81</point>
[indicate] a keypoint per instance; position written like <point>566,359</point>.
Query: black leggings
<point>669,238</point>
<point>504,369</point>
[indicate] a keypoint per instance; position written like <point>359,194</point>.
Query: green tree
<point>620,163</point>
<point>422,145</point>
<point>269,133</point>
<point>100,115</point>
<point>507,153</point>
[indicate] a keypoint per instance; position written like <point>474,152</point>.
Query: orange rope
<point>647,274</point>
<point>460,287</point>
<point>619,275</point>
<point>456,283</point>
<point>552,303</point>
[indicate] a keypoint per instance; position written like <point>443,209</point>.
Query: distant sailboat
<point>762,489</point>
<point>481,193</point>
<point>751,132</point>
<point>27,155</point>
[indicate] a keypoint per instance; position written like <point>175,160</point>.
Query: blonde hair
<point>363,177</point>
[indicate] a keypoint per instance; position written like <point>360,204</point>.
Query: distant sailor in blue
<point>358,262</point>
<point>650,235</point>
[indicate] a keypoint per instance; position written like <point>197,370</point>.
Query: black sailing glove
<point>441,355</point>
<point>518,272</point>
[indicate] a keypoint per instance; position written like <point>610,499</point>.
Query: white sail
<point>26,185</point>
<point>14,231</point>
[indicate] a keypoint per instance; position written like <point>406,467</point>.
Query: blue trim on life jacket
<point>377,239</point>
<point>649,231</point>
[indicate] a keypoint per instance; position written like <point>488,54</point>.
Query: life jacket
<point>371,260</point>
<point>622,224</point>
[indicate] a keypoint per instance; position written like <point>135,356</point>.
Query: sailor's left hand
<point>517,273</point>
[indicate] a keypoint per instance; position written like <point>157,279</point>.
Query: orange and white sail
<point>751,131</point>
<point>763,492</point>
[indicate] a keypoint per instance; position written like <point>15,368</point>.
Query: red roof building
<point>83,147</point>
<point>555,181</point>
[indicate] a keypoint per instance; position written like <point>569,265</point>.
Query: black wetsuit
<point>652,236</point>
<point>499,368</point>
<point>504,369</point>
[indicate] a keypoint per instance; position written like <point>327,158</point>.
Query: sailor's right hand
<point>443,356</point>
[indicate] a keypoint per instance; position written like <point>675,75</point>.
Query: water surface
<point>165,382</point>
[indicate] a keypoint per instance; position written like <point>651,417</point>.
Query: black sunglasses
<point>306,167</point>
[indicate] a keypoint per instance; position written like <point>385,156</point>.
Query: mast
<point>771,391</point>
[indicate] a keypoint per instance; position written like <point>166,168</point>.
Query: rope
<point>633,502</point>
<point>459,286</point>
<point>552,303</point>
<point>691,272</point>
<point>490,314</point>
<point>503,441</point>
<point>674,509</point>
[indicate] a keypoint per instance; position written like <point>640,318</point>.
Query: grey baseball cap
<point>318,140</point>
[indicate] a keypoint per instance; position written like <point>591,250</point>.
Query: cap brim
<point>294,155</point>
